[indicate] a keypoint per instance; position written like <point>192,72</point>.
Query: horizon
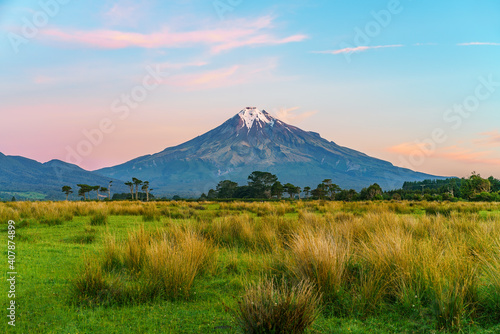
<point>367,76</point>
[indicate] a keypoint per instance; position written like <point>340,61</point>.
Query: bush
<point>271,307</point>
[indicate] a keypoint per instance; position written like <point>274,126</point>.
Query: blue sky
<point>413,82</point>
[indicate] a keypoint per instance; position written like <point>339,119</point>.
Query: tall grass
<point>362,257</point>
<point>99,218</point>
<point>491,281</point>
<point>147,265</point>
<point>272,307</point>
<point>321,258</point>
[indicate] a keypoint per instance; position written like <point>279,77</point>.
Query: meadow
<point>253,267</point>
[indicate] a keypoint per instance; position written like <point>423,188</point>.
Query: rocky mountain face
<point>254,140</point>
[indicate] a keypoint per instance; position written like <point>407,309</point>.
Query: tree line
<point>264,185</point>
<point>84,189</point>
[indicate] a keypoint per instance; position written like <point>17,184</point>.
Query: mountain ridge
<point>254,140</point>
<point>20,175</point>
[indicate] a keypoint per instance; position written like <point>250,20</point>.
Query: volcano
<point>254,140</point>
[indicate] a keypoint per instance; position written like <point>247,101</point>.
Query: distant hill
<point>254,140</point>
<point>29,179</point>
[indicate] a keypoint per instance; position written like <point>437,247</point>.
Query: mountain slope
<point>254,140</point>
<point>23,175</point>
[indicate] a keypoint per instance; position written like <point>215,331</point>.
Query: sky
<point>98,83</point>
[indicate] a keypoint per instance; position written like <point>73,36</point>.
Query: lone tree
<point>277,189</point>
<point>291,190</point>
<point>96,189</point>
<point>103,190</point>
<point>137,183</point>
<point>320,191</point>
<point>372,192</point>
<point>109,190</point>
<point>131,185</point>
<point>261,183</point>
<point>307,190</point>
<point>331,188</point>
<point>67,190</point>
<point>226,189</point>
<point>84,189</point>
<point>145,187</point>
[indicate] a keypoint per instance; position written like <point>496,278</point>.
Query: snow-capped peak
<point>250,114</point>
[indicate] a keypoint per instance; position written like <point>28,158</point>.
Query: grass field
<point>189,267</point>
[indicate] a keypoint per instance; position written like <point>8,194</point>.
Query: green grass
<point>50,256</point>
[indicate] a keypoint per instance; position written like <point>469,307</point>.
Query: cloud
<point>288,115</point>
<point>450,153</point>
<point>228,76</point>
<point>259,40</point>
<point>408,148</point>
<point>358,49</point>
<point>180,66</point>
<point>491,138</point>
<point>243,33</point>
<point>470,156</point>
<point>479,43</point>
<point>125,12</point>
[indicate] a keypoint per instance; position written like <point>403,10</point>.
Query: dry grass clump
<point>321,258</point>
<point>8,213</point>
<point>272,307</point>
<point>243,232</point>
<point>150,213</point>
<point>146,266</point>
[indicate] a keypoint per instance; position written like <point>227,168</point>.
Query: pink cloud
<point>359,49</point>
<point>408,148</point>
<point>225,77</point>
<point>451,153</point>
<point>218,39</point>
<point>289,115</point>
<point>180,66</point>
<point>491,138</point>
<point>455,153</point>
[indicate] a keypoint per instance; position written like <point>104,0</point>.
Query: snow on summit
<point>250,114</point>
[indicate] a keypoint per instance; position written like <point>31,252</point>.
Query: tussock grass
<point>321,258</point>
<point>147,265</point>
<point>270,306</point>
<point>438,262</point>
<point>490,289</point>
<point>99,218</point>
